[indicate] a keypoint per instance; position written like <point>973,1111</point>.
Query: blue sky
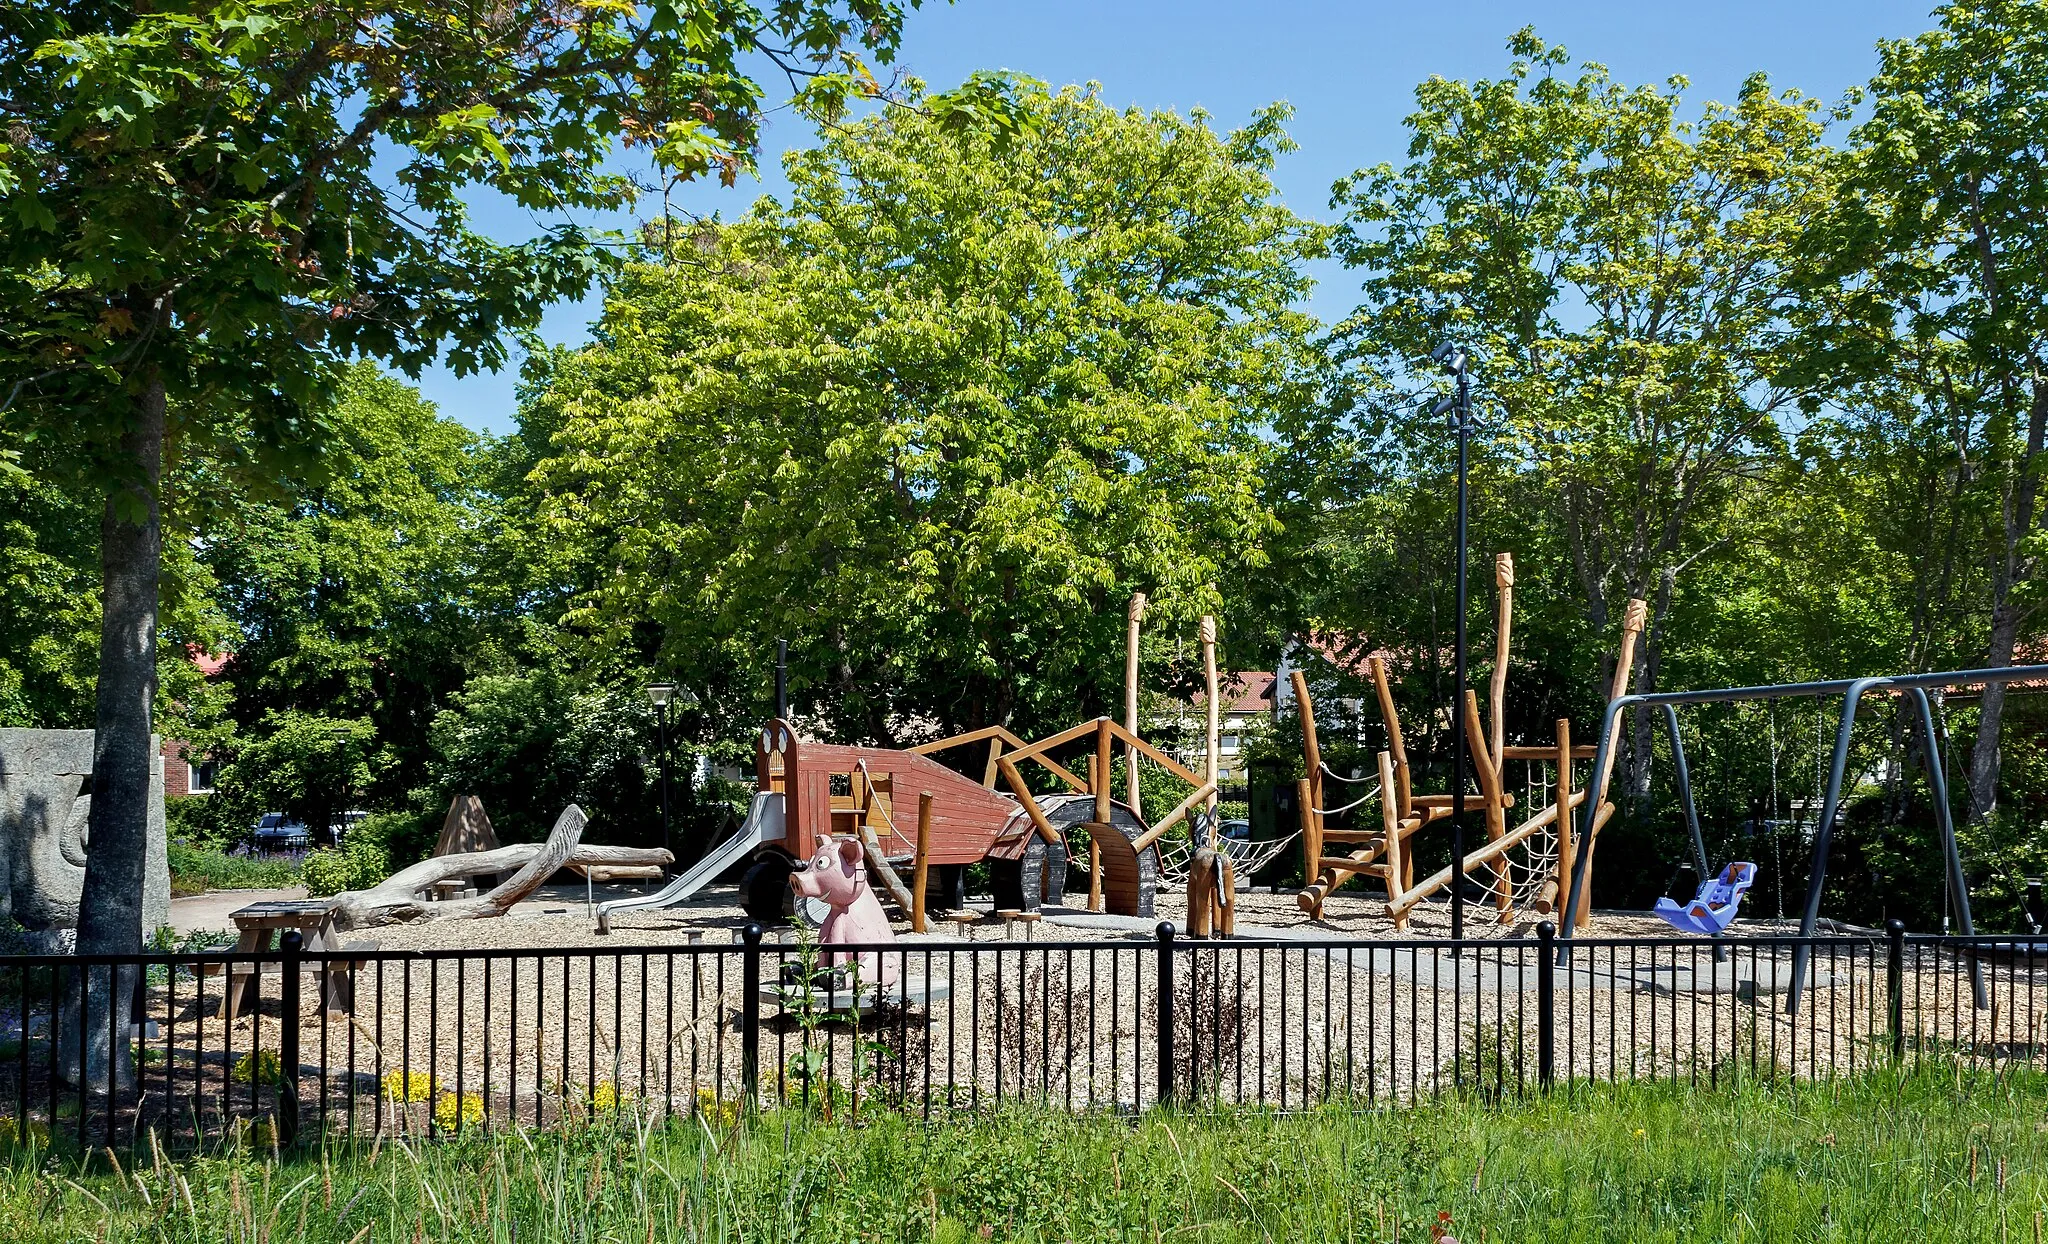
<point>1348,69</point>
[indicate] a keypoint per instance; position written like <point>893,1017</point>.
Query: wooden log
<point>1134,796</point>
<point>1024,796</point>
<point>1152,834</point>
<point>1632,622</point>
<point>1309,900</point>
<point>397,901</point>
<point>1497,694</point>
<point>1311,745</point>
<point>1544,753</point>
<point>1489,785</point>
<point>1399,865</point>
<point>1566,832</point>
<point>1395,743</point>
<point>879,867</point>
<point>920,871</point>
<point>1213,769</point>
<point>1102,767</point>
<point>1201,892</point>
<point>1484,855</point>
<point>1167,762</point>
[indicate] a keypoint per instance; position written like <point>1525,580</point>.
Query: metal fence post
<point>1546,1004</point>
<point>294,943</point>
<point>1165,1011</point>
<point>750,1014</point>
<point>1895,984</point>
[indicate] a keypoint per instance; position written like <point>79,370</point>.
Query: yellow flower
<point>1639,1133</point>
<point>408,1086</point>
<point>605,1096</point>
<point>722,1113</point>
<point>451,1112</point>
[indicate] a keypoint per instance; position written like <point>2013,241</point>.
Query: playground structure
<point>909,811</point>
<point>1911,690</point>
<point>1524,866</point>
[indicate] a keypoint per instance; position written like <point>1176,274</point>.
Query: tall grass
<point>195,870</point>
<point>1882,1158</point>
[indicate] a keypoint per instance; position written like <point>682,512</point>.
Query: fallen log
<point>397,900</point>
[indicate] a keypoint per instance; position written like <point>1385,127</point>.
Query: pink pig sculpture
<point>838,874</point>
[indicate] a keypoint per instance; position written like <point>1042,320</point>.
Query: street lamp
<point>660,694</point>
<point>1456,363</point>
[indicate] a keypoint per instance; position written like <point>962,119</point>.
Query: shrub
<point>357,865</point>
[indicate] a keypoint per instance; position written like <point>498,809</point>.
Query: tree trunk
<point>2007,612</point>
<point>117,829</point>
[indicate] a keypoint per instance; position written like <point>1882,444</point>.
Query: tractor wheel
<point>764,891</point>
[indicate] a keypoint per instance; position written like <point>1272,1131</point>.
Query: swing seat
<point>1713,909</point>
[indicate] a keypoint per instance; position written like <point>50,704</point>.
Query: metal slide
<point>764,824</point>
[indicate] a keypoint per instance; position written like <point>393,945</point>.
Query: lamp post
<point>661,693</point>
<point>1456,363</point>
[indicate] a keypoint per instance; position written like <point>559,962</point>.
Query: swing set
<point>1909,690</point>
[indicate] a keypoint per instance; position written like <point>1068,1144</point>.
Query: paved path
<point>212,909</point>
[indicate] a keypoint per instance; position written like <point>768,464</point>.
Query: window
<point>199,778</point>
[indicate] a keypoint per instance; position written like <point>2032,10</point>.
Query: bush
<point>357,865</point>
<point>403,837</point>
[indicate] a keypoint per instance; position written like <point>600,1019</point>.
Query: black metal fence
<point>283,1046</point>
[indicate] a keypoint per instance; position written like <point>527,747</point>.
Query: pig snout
<point>806,882</point>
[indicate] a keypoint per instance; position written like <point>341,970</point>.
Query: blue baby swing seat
<point>1712,910</point>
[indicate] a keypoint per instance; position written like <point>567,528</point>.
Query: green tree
<point>935,418</point>
<point>212,203</point>
<point>1938,250</point>
<point>309,766</point>
<point>1621,274</point>
<point>374,589</point>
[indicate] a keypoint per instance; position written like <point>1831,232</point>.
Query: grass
<point>1883,1158</point>
<point>195,870</point>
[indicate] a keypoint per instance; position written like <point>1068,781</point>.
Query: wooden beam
<point>1152,834</point>
<point>1101,783</point>
<point>1632,622</point>
<point>1489,785</point>
<point>1171,765</point>
<point>1484,855</point>
<point>1213,769</point>
<point>1033,751</point>
<point>1024,796</point>
<point>1133,616</point>
<point>1395,743</point>
<point>920,871</point>
<point>1504,584</point>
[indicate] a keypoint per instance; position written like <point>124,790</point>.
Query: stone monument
<point>45,795</point>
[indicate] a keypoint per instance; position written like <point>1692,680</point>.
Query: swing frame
<point>1913,688</point>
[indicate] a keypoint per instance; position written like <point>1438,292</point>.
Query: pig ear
<point>850,854</point>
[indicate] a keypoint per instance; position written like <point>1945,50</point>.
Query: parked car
<point>342,823</point>
<point>275,831</point>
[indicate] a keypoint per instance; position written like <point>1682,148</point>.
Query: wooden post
<point>995,753</point>
<point>1102,766</point>
<point>1400,875</point>
<point>1632,623</point>
<point>921,870</point>
<point>1134,616</point>
<point>1403,804</point>
<point>1214,767</point>
<point>1094,873</point>
<point>1311,748</point>
<point>1488,771</point>
<point>1565,828</point>
<point>1311,845</point>
<point>1504,581</point>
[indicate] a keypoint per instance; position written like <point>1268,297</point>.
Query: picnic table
<point>258,927</point>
